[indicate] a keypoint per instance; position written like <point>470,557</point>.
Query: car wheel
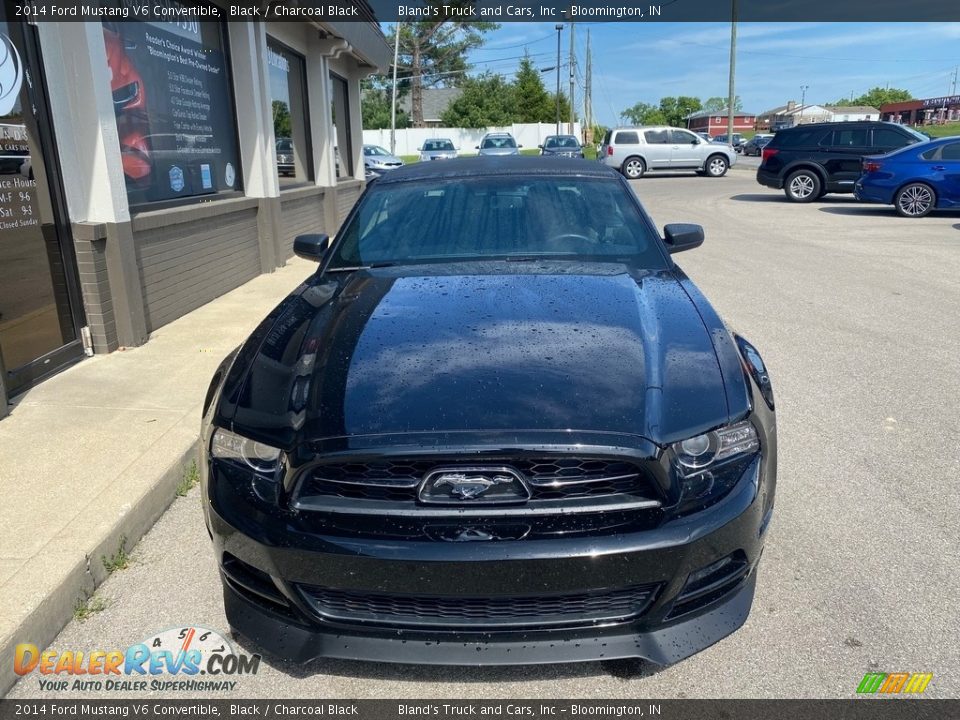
<point>634,168</point>
<point>717,166</point>
<point>915,200</point>
<point>802,186</point>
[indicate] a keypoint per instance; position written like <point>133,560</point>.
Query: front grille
<point>549,478</point>
<point>415,611</point>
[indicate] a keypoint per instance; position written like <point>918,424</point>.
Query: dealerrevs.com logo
<point>186,659</point>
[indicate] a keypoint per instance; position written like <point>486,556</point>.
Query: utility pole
<point>573,112</point>
<point>803,99</point>
<point>731,89</point>
<point>393,99</point>
<point>953,88</point>
<point>559,28</point>
<point>587,95</point>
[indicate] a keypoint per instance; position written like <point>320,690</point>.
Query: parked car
<point>633,151</point>
<point>809,161</point>
<point>561,146</point>
<point>498,144</point>
<point>285,164</point>
<point>378,160</point>
<point>916,179</point>
<point>393,473</point>
<point>756,144</point>
<point>437,149</point>
<point>705,136</point>
<point>737,143</point>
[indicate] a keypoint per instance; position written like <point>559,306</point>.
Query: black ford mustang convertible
<point>497,426</point>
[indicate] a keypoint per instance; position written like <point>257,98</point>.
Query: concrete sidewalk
<point>93,456</point>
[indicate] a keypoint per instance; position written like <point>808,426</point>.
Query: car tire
<point>716,166</point>
<point>915,200</point>
<point>802,186</point>
<point>633,168</point>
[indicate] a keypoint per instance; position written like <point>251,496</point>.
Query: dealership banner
<point>860,709</point>
<point>174,107</point>
<point>495,10</point>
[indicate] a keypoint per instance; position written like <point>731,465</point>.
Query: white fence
<point>410,140</point>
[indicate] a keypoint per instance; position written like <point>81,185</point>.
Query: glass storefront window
<point>291,123</point>
<point>341,121</point>
<point>174,109</point>
<point>38,298</point>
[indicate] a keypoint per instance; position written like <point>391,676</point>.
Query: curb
<point>55,608</point>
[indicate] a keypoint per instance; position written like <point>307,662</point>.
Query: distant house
<point>715,122</point>
<point>792,114</point>
<point>849,113</point>
<point>435,102</point>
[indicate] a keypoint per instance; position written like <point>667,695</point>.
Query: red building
<point>923,112</point>
<point>715,123</point>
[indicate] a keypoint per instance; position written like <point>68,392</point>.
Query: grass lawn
<point>939,131</point>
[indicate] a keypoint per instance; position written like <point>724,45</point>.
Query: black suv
<point>809,161</point>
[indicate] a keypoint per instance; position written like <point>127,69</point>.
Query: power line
<point>510,47</point>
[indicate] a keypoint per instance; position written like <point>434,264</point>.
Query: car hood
<point>499,151</point>
<point>383,160</point>
<point>437,154</point>
<point>593,348</point>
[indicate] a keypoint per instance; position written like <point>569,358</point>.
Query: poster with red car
<point>174,108</point>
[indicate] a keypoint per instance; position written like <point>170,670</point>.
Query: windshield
<point>374,150</point>
<point>436,145</point>
<point>562,142</point>
<point>920,137</point>
<point>498,142</point>
<point>497,217</point>
<point>285,146</point>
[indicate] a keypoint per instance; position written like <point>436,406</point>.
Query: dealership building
<point>148,167</point>
<point>923,112</point>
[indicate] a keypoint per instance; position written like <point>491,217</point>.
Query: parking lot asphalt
<point>856,313</point>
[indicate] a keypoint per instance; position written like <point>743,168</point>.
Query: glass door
<point>40,308</point>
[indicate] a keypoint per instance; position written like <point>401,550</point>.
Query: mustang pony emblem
<point>467,487</point>
<point>482,485</point>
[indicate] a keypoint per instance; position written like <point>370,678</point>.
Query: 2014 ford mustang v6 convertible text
<point>497,425</point>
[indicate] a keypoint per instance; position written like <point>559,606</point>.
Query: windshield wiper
<point>354,268</point>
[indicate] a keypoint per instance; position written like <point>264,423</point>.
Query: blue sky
<point>644,61</point>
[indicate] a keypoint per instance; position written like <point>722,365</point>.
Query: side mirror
<point>519,146</point>
<point>311,247</point>
<point>476,147</point>
<point>682,236</point>
<point>539,146</point>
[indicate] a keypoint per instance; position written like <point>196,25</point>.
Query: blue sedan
<point>915,180</point>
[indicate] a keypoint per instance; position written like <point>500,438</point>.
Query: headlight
<point>701,451</point>
<point>709,465</point>
<point>257,456</point>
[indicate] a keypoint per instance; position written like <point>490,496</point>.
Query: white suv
<point>635,150</point>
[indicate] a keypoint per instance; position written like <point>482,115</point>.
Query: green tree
<point>375,106</point>
<point>486,100</point>
<point>644,114</point>
<point>675,109</point>
<point>281,119</point>
<point>531,101</point>
<point>875,97</point>
<point>719,104</point>
<point>434,51</point>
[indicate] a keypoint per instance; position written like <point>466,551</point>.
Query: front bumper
<point>273,611</point>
